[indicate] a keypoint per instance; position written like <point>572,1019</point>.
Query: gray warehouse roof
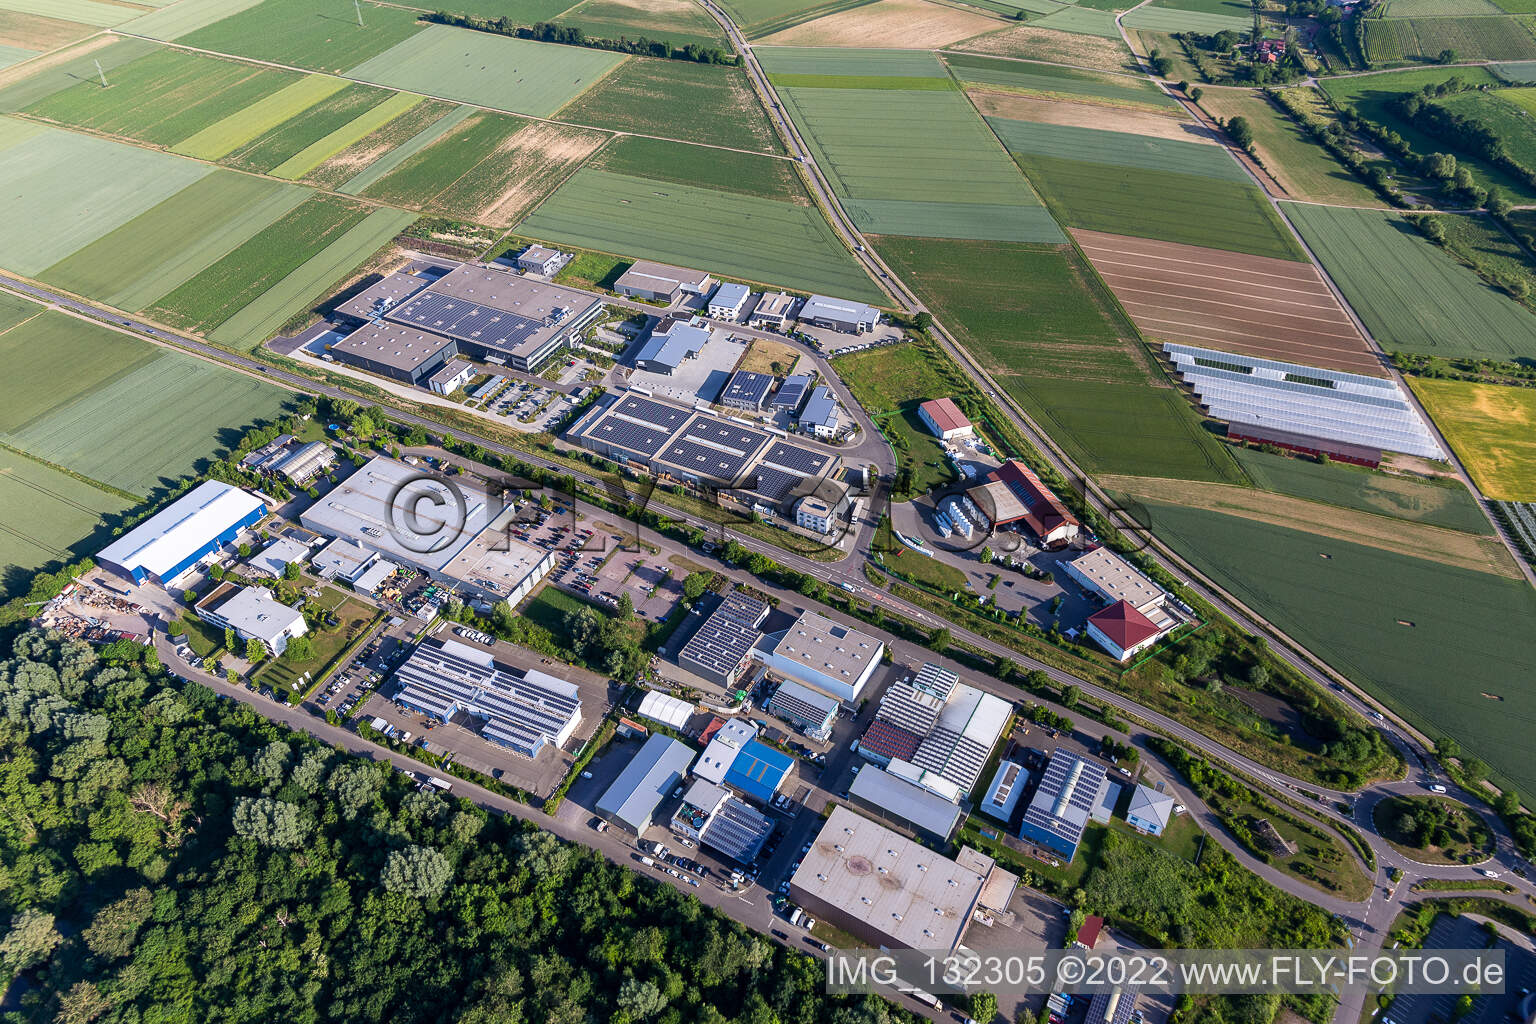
<point>824,307</point>
<point>660,277</point>
<point>393,345</point>
<point>901,799</point>
<point>645,782</point>
<point>792,391</point>
<point>821,410</point>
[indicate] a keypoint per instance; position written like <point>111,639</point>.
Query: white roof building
<point>254,614</point>
<point>271,560</point>
<point>659,707</point>
<point>727,742</point>
<point>839,314</point>
<point>826,655</point>
<point>171,541</point>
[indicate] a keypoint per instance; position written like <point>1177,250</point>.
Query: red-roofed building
<point>1088,934</point>
<point>1122,630</point>
<point>944,418</point>
<point>1012,493</point>
<point>887,742</point>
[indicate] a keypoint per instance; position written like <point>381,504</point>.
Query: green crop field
<point>1093,145</point>
<point>1518,71</point>
<point>1448,647</point>
<point>310,281</point>
<point>1492,428</point>
<point>1435,503</point>
<point>49,517</point>
<point>1044,326</point>
<point>917,163</point>
<point>261,153</point>
<point>1207,18</point>
<point>63,191</point>
<point>185,17</point>
<point>32,385</point>
<point>1054,80</point>
<point>371,120</point>
<point>1412,297</point>
<point>1440,8</point>
<point>763,176</point>
<point>264,118</point>
<point>451,63</point>
<point>765,17</point>
<point>1510,113</point>
<point>677,24</point>
<point>692,102</point>
<point>37,85</point>
<point>150,426</point>
<point>14,309</point>
<point>380,155</point>
<point>518,12</point>
<point>321,35</point>
<point>463,143</point>
<point>1423,39</point>
<point>792,246</point>
<point>234,282</point>
<point>166,245</point>
<point>1303,168</point>
<point>164,97</point>
<point>1081,21</point>
<point>84,12</point>
<point>1156,204</point>
<point>861,63</point>
<point>1482,243</point>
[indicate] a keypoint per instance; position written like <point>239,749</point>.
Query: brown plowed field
<point>1250,305</point>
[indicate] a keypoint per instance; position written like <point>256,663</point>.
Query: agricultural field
<point>84,12</point>
<point>185,17</point>
<point>64,190</point>
<point>890,383</point>
<point>764,17</point>
<point>14,310</point>
<point>274,146</point>
<point>1082,21</point>
<point>834,62</point>
<point>1510,113</point>
<point>1440,8</point>
<point>22,86</point>
<point>149,426</point>
<point>1253,305</point>
<point>451,63</point>
<point>890,153</point>
<point>678,22</point>
<point>382,149</point>
<point>165,97</point>
<point>1051,335</point>
<point>902,24</point>
<point>1055,82</point>
<point>311,281</point>
<point>372,119</point>
<point>35,350</point>
<point>792,246</point>
<point>1035,43</point>
<point>1492,429</point>
<point>1302,167</point>
<point>517,173</point>
<point>49,517</point>
<point>1191,16</point>
<point>762,176</point>
<point>1486,247</point>
<point>162,248</point>
<point>1412,297</point>
<point>1389,40</point>
<point>1123,149</point>
<point>299,33</point>
<point>1398,625</point>
<point>1434,502</point>
<point>224,288</point>
<point>24,35</point>
<point>1042,110</point>
<point>518,12</point>
<point>703,103</point>
<point>247,128</point>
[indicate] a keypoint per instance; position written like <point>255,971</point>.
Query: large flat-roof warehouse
<point>722,646</point>
<point>173,540</point>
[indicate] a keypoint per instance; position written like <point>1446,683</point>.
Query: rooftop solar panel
<point>795,458</point>
<point>658,414</point>
<point>469,321</point>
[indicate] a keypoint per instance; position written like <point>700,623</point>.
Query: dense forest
<point>171,856</point>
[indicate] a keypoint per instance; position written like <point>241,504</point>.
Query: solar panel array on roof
<point>632,437</point>
<point>658,414</point>
<point>791,392</point>
<point>693,459</point>
<point>468,321</point>
<point>889,741</point>
<point>796,459</point>
<point>736,830</point>
<point>1066,796</point>
<point>952,755</point>
<point>746,390</point>
<point>725,639</point>
<point>772,485</point>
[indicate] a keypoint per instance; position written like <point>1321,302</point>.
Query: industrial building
<point>721,649</point>
<point>632,799</point>
<point>735,757</point>
<point>522,709</point>
<point>285,457</point>
<point>842,315</point>
<point>773,311</point>
<point>944,418</point>
<point>456,534</point>
<point>838,660</point>
<point>451,377</point>
<point>811,513</point>
<point>1013,494</point>
<point>273,560</point>
<point>810,711</point>
<point>395,351</point>
<point>1149,810</point>
<point>792,392</point>
<point>671,341</point>
<point>884,888</point>
<point>1004,791</point>
<point>1072,792</point>
<point>254,614</point>
<point>718,820</point>
<point>936,731</point>
<point>905,806</point>
<point>1123,631</point>
<point>746,390</point>
<point>819,417</point>
<point>669,711</point>
<point>540,259</point>
<point>373,301</point>
<point>364,570</point>
<point>1347,415</point>
<point>170,542</point>
<point>728,301</point>
<point>660,282</point>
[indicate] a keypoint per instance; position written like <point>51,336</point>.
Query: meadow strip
<point>224,137</point>
<point>316,153</point>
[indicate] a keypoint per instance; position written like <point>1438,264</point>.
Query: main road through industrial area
<point>1367,921</point>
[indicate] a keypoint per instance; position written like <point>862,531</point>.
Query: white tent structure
<point>670,711</point>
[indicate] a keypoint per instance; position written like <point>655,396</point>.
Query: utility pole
<point>102,73</point>
<point>357,4</point>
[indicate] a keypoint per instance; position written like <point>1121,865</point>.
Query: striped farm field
<point>1440,8</point>
<point>1424,39</point>
<point>185,17</point>
<point>679,22</point>
<point>152,424</point>
<point>792,246</point>
<point>49,517</point>
<point>372,119</point>
<point>1059,82</point>
<point>356,168</point>
<point>1031,42</point>
<point>225,136</point>
<point>1122,149</point>
<point>224,288</point>
<point>703,103</point>
<point>856,63</point>
<point>13,55</point>
<point>432,169</point>
<point>20,87</point>
<point>451,63</point>
<point>64,191</point>
<point>164,97</point>
<point>310,281</point>
<point>274,146</point>
<point>163,247</point>
<point>84,12</point>
<point>764,17</point>
<point>914,24</point>
<point>1082,21</point>
<point>1493,430</point>
<point>1195,16</point>
<point>1413,297</point>
<point>304,34</point>
<point>14,310</point>
<point>659,160</point>
<point>32,385</point>
<point>31,34</point>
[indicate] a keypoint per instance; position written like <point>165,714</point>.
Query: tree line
<point>573,35</point>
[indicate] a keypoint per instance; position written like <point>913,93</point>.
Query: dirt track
<point>1251,305</point>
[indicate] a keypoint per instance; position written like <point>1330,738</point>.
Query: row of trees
<point>572,35</point>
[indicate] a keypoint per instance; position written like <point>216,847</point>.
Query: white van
<point>647,862</point>
<point>796,916</point>
<point>1435,787</point>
